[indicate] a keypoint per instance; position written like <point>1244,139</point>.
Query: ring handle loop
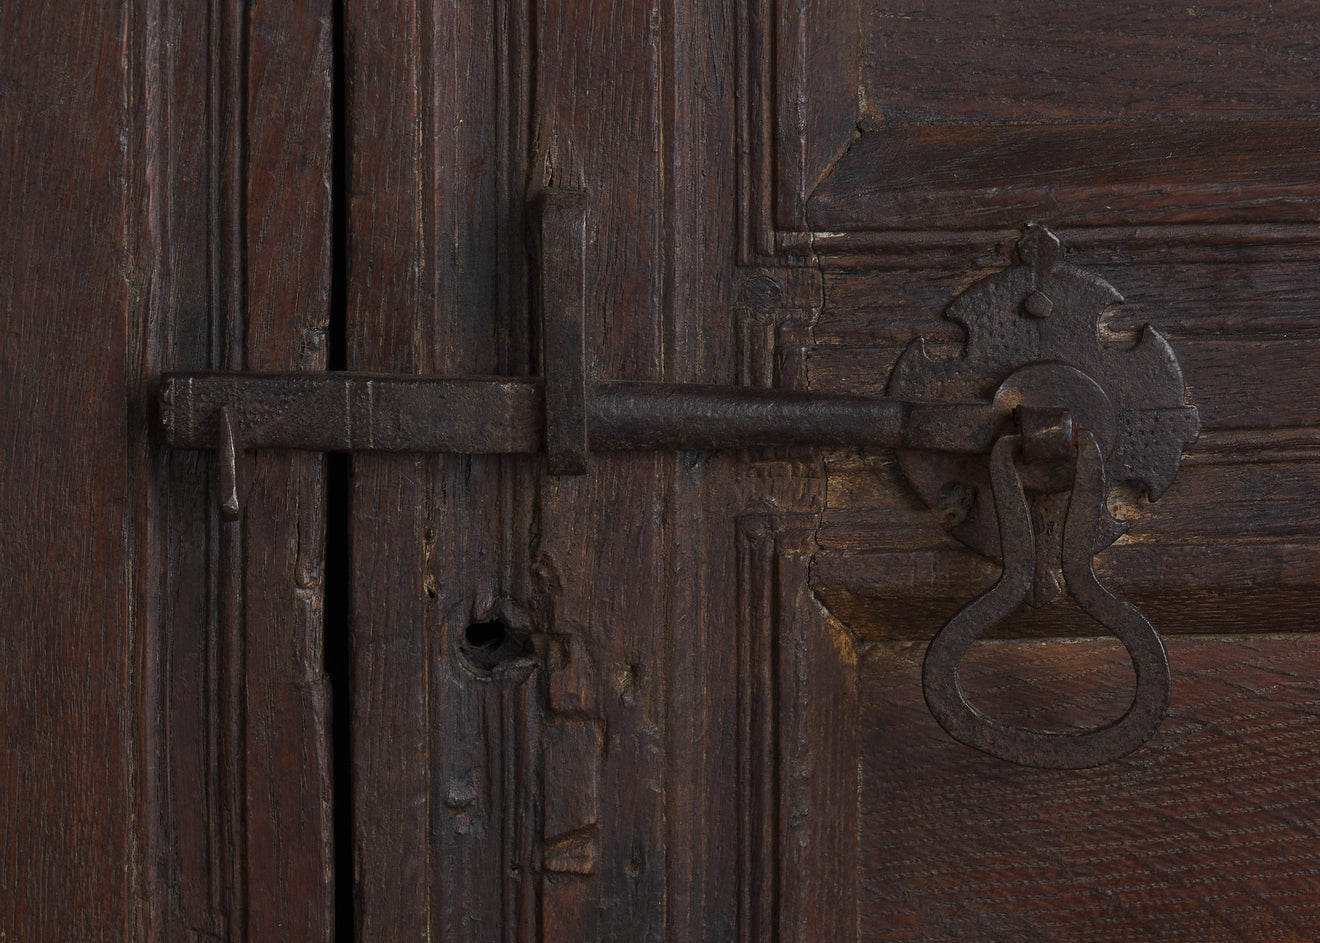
<point>940,683</point>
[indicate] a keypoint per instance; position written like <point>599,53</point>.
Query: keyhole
<point>490,643</point>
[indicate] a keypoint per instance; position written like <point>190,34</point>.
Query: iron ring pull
<point>944,695</point>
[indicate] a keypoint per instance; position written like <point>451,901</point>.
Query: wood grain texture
<point>1098,174</point>
<point>1207,833</point>
<point>1175,244</point>
<point>699,675</point>
<point>673,752</point>
<point>286,711</point>
<point>187,861</point>
<point>795,106</point>
<point>798,842</point>
<point>67,525</point>
<point>816,86</point>
<point>390,621</point>
<point>234,240</point>
<point>443,754</point>
<point>1247,293</point>
<point>872,507</point>
<point>976,116</point>
<point>1087,60</point>
<point>1184,588</point>
<point>593,59</point>
<point>570,796</point>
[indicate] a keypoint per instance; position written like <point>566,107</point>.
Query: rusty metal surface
<point>1019,349</point>
<point>562,254</point>
<point>1072,413</point>
<point>1083,535</point>
<point>689,417</point>
<point>340,412</point>
<point>363,412</point>
<point>227,456</point>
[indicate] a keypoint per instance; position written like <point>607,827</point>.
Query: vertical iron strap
<point>563,302</point>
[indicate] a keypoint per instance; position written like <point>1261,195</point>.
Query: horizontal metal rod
<point>332,412</point>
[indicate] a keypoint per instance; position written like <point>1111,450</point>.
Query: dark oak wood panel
<point>797,837</point>
<point>235,241</point>
<point>1084,113</point>
<point>1181,298</point>
<point>68,514</point>
<point>1104,174</point>
<point>286,766</point>
<point>1226,587</point>
<point>815,77</point>
<point>390,646</point>
<point>560,795</point>
<point>1238,244</point>
<point>1086,60</point>
<point>443,758</point>
<point>617,629</point>
<point>1253,503</point>
<point>676,698</point>
<point>1208,834</point>
<point>187,876</point>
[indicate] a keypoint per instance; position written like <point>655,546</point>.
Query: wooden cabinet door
<point>678,697</point>
<point>1171,147</point>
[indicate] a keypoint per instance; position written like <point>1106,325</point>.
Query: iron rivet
<point>1038,304</point>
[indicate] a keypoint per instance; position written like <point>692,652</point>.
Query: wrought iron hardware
<point>1073,414</point>
<point>1037,406</point>
<point>362,412</point>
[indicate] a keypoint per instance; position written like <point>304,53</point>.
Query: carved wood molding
<point>797,100</point>
<point>797,742</point>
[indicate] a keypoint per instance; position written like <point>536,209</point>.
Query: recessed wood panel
<point>1088,60</point>
<point>1207,833</point>
<point>1182,588</point>
<point>1179,296</point>
<point>977,115</point>
<point>1110,174</point>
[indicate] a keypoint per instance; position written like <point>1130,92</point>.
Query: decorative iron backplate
<point>1035,337</point>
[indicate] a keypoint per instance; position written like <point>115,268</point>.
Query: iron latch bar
<point>562,413</point>
<point>351,412</point>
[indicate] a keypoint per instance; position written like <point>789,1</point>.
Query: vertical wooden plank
<point>177,801</point>
<point>484,728</point>
<point>759,840</point>
<point>389,630</point>
<point>604,124</point>
<point>66,298</point>
<point>818,738</point>
<point>229,302</point>
<point>796,676</point>
<point>705,292</point>
<point>287,226</point>
<point>442,751</point>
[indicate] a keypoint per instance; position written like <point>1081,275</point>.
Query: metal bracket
<point>1072,414</point>
<point>1034,395</point>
